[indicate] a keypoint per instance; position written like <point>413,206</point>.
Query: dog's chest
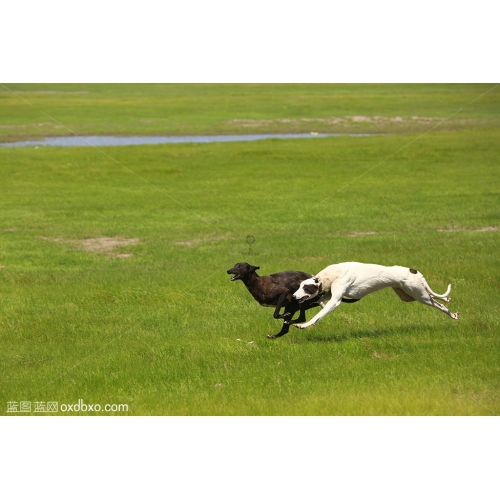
<point>262,298</point>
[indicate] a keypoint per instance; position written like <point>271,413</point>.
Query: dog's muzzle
<point>302,299</point>
<point>235,277</point>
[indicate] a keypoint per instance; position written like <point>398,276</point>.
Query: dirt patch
<point>40,124</point>
<point>197,241</point>
<point>74,92</point>
<point>187,243</point>
<point>462,229</point>
<point>106,245</point>
<point>355,234</point>
<point>345,120</point>
<point>103,245</point>
<point>12,126</point>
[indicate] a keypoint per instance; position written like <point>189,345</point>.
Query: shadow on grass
<point>358,334</point>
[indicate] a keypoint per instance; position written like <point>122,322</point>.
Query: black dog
<point>276,290</point>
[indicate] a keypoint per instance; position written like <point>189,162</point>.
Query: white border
<point>250,457</point>
<point>262,41</point>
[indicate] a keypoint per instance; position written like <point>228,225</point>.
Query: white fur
<point>355,280</point>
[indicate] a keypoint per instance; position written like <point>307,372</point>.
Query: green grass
<point>158,331</point>
<point>37,110</point>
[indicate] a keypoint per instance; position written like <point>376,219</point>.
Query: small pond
<point>104,140</point>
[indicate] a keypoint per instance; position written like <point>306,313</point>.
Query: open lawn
<point>114,287</point>
<point>27,110</point>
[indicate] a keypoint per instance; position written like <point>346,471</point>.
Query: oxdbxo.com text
<point>81,406</point>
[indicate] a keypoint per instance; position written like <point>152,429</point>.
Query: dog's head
<point>308,289</point>
<point>241,270</point>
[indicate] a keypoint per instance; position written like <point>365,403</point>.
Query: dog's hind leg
<point>429,301</point>
<point>403,295</point>
<point>442,299</point>
<point>421,294</point>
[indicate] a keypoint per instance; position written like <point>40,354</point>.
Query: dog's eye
<point>310,289</point>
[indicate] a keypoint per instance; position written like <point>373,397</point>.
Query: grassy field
<point>114,286</point>
<point>223,109</point>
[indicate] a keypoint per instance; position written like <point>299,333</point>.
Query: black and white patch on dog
<point>309,289</point>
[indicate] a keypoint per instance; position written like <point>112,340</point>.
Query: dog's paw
<point>272,337</point>
<point>456,315</point>
<point>300,325</point>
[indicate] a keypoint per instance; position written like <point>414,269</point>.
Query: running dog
<point>355,280</point>
<point>276,290</point>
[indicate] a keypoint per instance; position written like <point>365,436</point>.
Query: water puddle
<point>104,140</point>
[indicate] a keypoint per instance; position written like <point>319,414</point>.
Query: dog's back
<point>273,286</point>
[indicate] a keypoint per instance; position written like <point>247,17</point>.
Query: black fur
<point>277,290</point>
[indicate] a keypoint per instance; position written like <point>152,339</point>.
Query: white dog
<point>355,280</point>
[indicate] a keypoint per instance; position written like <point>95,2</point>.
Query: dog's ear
<point>316,279</point>
<point>255,268</point>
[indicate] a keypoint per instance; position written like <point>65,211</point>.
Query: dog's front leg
<point>283,331</point>
<point>279,305</point>
<point>300,319</point>
<point>334,302</point>
<point>303,308</point>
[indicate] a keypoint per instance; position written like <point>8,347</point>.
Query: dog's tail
<point>437,295</point>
